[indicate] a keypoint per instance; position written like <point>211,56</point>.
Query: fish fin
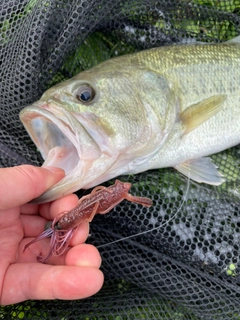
<point>201,170</point>
<point>200,112</point>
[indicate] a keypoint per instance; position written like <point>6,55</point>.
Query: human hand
<point>74,275</point>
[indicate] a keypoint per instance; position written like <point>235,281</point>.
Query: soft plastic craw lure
<point>100,200</point>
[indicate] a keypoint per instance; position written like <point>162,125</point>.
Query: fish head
<point>96,125</point>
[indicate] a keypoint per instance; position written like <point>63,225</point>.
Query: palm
<point>11,236</point>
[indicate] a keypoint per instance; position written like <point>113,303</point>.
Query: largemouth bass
<point>164,107</point>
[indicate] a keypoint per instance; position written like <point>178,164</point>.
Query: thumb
<point>20,184</point>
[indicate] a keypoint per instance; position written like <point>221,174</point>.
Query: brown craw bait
<point>100,200</point>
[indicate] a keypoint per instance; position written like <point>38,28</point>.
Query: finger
<point>83,255</point>
<point>81,234</point>
<point>32,225</point>
<point>28,182</point>
<point>49,282</point>
<point>29,208</point>
<point>51,210</point>
<point>64,204</point>
<point>42,247</point>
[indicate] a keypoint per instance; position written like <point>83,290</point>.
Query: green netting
<point>154,267</point>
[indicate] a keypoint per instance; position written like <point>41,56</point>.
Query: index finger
<point>20,184</point>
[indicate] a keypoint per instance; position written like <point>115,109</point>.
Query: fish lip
<point>47,118</point>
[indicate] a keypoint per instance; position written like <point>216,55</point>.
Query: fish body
<point>164,107</point>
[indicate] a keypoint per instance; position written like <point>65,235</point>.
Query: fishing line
<point>156,228</point>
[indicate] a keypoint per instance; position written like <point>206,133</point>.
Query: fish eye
<point>85,93</point>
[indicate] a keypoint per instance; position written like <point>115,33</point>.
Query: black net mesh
<point>155,267</point>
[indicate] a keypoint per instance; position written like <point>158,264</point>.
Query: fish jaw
<point>64,143</point>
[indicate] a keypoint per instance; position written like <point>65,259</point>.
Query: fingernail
<point>55,169</point>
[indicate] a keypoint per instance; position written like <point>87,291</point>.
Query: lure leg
<point>141,200</point>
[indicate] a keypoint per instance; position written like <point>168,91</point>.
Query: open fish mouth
<point>62,140</point>
<point>57,146</point>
